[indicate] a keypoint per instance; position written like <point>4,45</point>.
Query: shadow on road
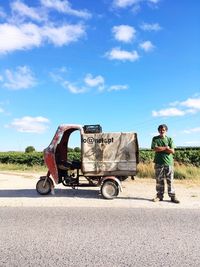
<point>32,193</point>
<point>67,193</point>
<point>136,198</point>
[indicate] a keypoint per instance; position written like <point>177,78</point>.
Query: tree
<point>77,149</point>
<point>29,149</point>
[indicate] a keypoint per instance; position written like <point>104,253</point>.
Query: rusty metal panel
<point>55,151</point>
<point>109,153</point>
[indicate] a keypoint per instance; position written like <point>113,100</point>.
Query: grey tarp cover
<point>109,153</point>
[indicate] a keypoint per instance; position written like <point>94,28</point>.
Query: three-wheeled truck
<point>106,160</point>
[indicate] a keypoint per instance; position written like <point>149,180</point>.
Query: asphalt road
<point>107,237</point>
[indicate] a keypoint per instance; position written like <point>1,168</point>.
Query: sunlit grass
<point>188,172</point>
<point>145,170</point>
<point>181,172</point>
<point>22,167</point>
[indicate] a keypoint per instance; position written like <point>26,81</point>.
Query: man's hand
<point>169,150</point>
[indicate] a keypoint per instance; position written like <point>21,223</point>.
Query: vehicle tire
<point>109,190</point>
<point>43,189</point>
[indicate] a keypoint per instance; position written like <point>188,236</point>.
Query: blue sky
<point>128,65</point>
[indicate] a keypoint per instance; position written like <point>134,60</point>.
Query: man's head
<point>162,129</point>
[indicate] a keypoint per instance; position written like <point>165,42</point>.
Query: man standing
<point>164,164</point>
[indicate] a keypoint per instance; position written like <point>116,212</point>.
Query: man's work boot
<point>175,200</point>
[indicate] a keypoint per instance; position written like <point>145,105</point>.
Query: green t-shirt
<point>162,158</point>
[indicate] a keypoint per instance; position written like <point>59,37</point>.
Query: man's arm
<point>164,149</point>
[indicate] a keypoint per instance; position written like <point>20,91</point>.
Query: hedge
<point>29,159</point>
<point>182,156</point>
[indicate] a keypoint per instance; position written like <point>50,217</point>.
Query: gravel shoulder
<point>18,190</point>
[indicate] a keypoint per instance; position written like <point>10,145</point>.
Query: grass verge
<point>22,167</point>
<point>181,171</point>
<point>145,170</point>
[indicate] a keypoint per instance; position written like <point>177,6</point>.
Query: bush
<point>77,149</point>
<point>74,155</point>
<point>29,149</point>
<point>146,156</point>
<point>186,156</point>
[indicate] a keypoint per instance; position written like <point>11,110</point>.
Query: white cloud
<point>193,103</point>
<point>22,78</point>
<point>22,10</point>
<point>124,33</point>
<point>132,3</point>
<point>154,1</point>
<point>29,35</point>
<point>147,46</point>
<point>193,130</point>
<point>65,7</point>
<point>40,13</point>
<point>59,76</point>
<point>1,110</point>
<point>89,81</point>
<point>30,124</point>
<point>19,37</point>
<point>150,27</point>
<point>136,9</point>
<point>125,3</point>
<point>74,89</point>
<point>169,112</point>
<point>28,27</point>
<point>63,35</point>
<point>190,106</point>
<point>94,81</point>
<point>84,86</point>
<point>118,87</point>
<point>123,55</point>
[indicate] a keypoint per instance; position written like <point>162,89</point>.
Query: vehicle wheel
<point>109,190</point>
<point>42,187</point>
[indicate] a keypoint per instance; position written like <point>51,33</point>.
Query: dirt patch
<point>18,189</point>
